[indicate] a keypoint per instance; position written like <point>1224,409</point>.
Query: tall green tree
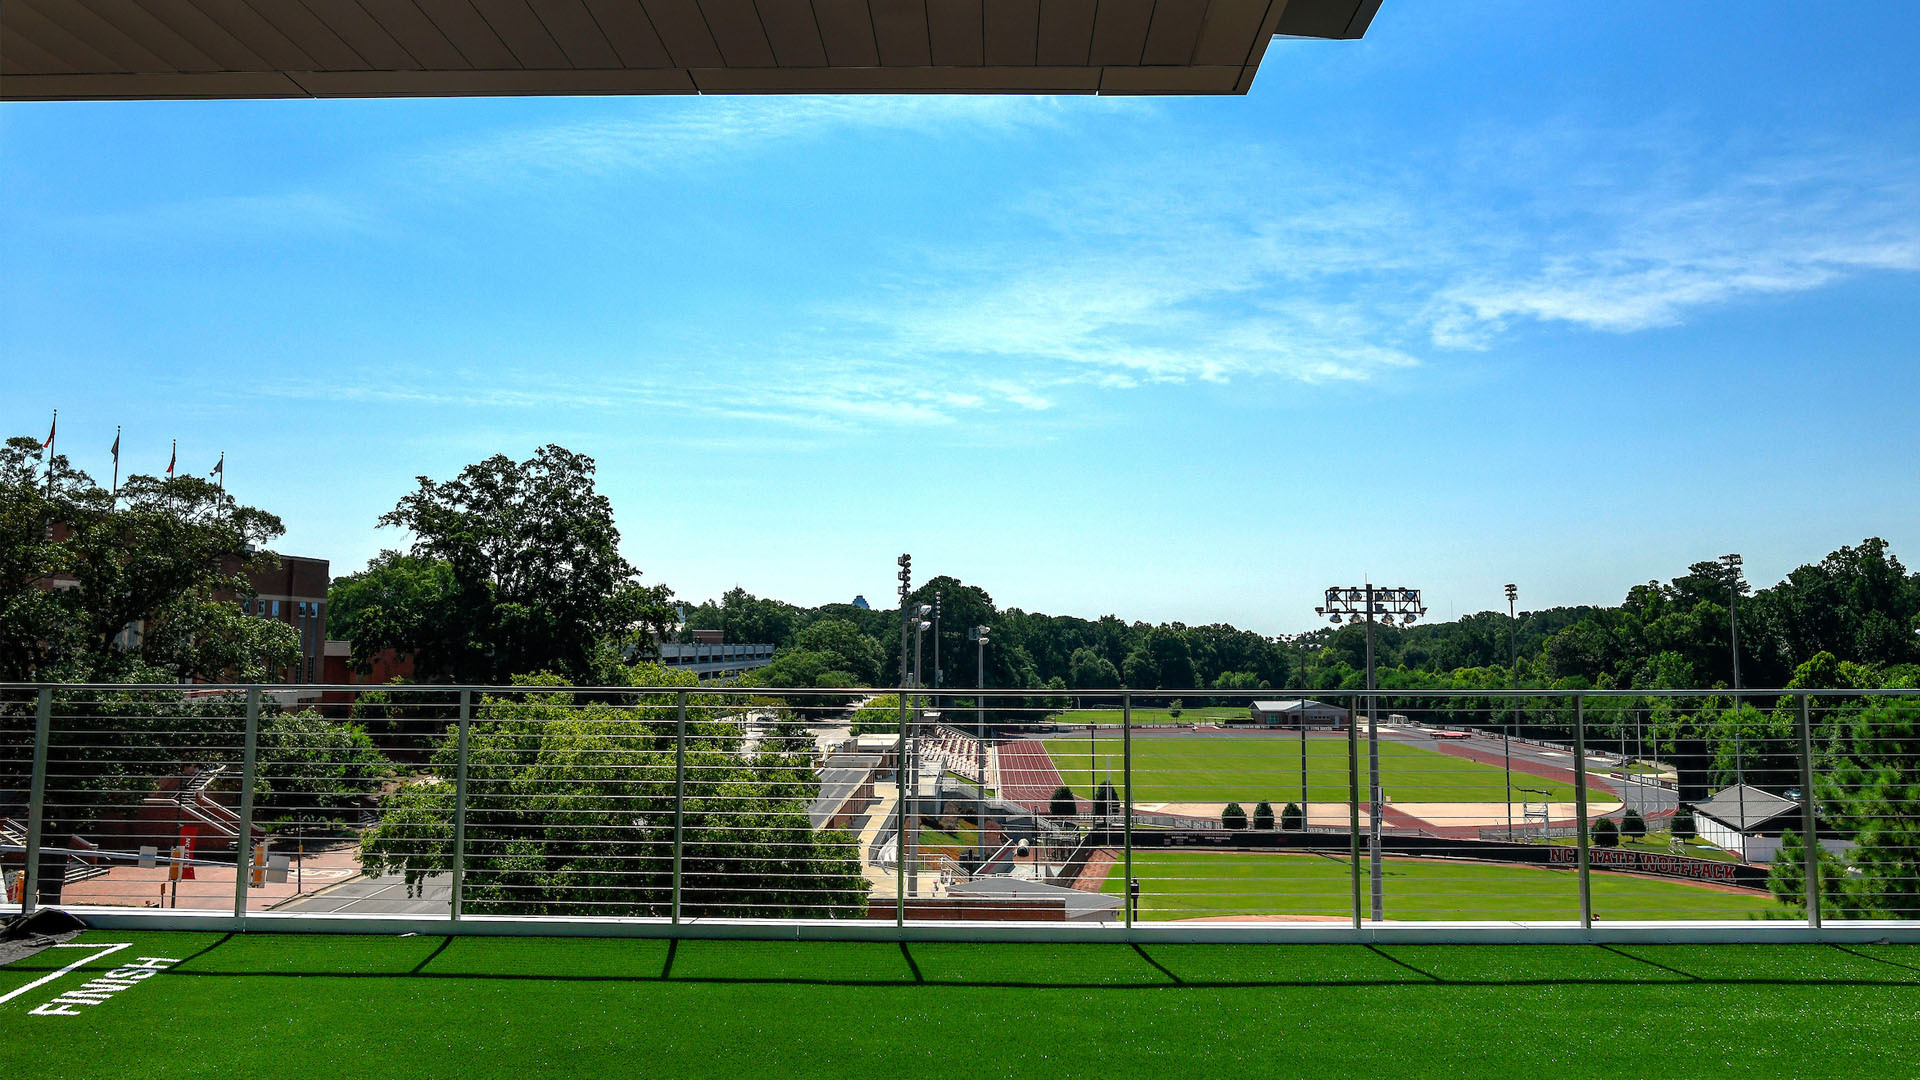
<point>570,811</point>
<point>166,560</point>
<point>536,581</point>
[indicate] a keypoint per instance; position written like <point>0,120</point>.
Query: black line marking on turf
<point>1378,951</point>
<point>673,949</point>
<point>1876,959</point>
<point>911,964</point>
<point>1653,963</point>
<point>224,938</point>
<point>432,956</point>
<point>1222,984</point>
<point>1158,966</point>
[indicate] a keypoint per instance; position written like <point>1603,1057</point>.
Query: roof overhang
<point>123,49</point>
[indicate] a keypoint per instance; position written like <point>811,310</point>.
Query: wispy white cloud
<point>653,135</point>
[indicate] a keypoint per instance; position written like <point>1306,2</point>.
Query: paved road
<point>382,895</point>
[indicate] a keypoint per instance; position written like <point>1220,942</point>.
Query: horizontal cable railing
<point>696,808</point>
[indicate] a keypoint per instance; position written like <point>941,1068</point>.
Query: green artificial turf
<point>1200,884</point>
<point>343,1007</point>
<point>1249,768</point>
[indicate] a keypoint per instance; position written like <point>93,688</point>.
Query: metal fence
<point>1097,814</point>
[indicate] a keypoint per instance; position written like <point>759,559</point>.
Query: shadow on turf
<point>1172,981</point>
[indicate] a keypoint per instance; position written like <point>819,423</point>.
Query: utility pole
<point>1369,600</point>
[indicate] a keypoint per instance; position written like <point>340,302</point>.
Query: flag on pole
<point>48,445</point>
<point>116,446</point>
<point>220,470</point>
<point>174,458</point>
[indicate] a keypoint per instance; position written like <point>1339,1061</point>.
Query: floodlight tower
<point>910,747</point>
<point>1513,682</point>
<point>979,635</point>
<point>1373,601</point>
<point>1733,563</point>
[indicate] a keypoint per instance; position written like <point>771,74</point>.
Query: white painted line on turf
<point>105,950</point>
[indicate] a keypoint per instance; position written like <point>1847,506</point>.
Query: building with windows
<point>295,593</point>
<point>1298,712</point>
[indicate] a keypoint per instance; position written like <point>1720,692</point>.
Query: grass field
<point>1216,768</point>
<point>1198,884</point>
<point>352,1007</point>
<point>1211,714</point>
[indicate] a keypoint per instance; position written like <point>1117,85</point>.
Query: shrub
<point>1605,833</point>
<point>1063,804</point>
<point>1633,826</point>
<point>1175,707</point>
<point>1263,815</point>
<point>1683,826</point>
<point>1233,817</point>
<point>1292,818</point>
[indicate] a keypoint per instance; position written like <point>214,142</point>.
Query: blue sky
<point>1568,296</point>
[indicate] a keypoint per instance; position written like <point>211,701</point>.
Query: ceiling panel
<point>462,25</point>
<point>1012,30</point>
<point>574,29</point>
<point>310,36</point>
<point>900,28</point>
<point>846,28</point>
<point>683,30</point>
<point>1066,31</point>
<point>367,38</point>
<point>737,30</point>
<point>1174,32</point>
<point>791,31</point>
<point>953,30</point>
<point>630,32</point>
<point>112,49</point>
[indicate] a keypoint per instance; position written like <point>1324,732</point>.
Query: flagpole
<point>116,462</point>
<point>50,449</point>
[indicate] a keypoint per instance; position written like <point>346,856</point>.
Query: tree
<point>1175,708</point>
<point>1063,804</point>
<point>1292,818</point>
<point>1263,815</point>
<point>849,649</point>
<point>400,602</point>
<point>1682,825</point>
<point>1868,792</point>
<point>1632,825</point>
<point>311,766</point>
<point>1088,670</point>
<point>168,557</point>
<point>1234,816</point>
<point>879,716</point>
<point>538,581</point>
<point>1606,833</point>
<point>1106,800</point>
<point>570,809</point>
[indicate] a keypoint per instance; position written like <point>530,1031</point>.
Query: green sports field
<point>353,1007</point>
<point>1248,768</point>
<point>1202,884</point>
<point>1211,714</point>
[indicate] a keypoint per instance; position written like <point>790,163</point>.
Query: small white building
<point>1298,712</point>
<point>1748,821</point>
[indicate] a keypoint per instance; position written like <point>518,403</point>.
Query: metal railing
<point>1165,815</point>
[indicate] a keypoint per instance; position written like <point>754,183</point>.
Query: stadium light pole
<point>1733,563</point>
<point>980,733</point>
<point>1306,649</point>
<point>900,750</point>
<point>1371,601</point>
<point>1513,683</point>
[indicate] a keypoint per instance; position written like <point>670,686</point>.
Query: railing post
<point>1353,805</point>
<point>37,800</point>
<point>900,805</point>
<point>243,843</point>
<point>1126,784</point>
<point>460,807</point>
<point>1580,808</point>
<point>679,795</point>
<point>1809,814</point>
